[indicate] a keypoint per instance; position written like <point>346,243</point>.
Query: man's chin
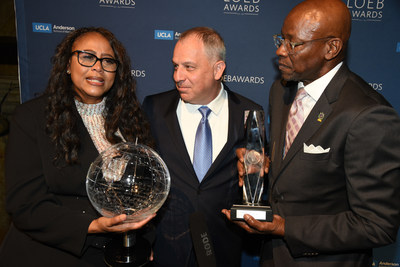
<point>184,96</point>
<point>286,78</point>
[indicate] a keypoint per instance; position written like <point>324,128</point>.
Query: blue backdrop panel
<point>149,30</point>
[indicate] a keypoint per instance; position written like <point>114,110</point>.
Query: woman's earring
<point>68,72</point>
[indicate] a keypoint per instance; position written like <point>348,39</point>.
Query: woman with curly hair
<point>89,104</point>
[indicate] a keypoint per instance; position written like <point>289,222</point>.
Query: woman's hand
<point>116,224</point>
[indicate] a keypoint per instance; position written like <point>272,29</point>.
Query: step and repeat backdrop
<point>149,30</point>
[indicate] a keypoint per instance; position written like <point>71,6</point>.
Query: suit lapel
<point>279,129</point>
<point>90,152</point>
<point>310,126</point>
<point>176,137</point>
<point>233,130</point>
<point>314,121</point>
<point>87,154</point>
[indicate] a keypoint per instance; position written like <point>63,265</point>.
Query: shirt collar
<point>215,105</point>
<point>317,87</point>
<point>90,109</point>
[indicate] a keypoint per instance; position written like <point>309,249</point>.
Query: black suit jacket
<point>340,204</point>
<point>219,188</point>
<point>49,206</point>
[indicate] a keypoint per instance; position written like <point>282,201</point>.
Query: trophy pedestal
<point>129,250</point>
<point>259,212</point>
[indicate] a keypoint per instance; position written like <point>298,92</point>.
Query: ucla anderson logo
<point>42,27</point>
<point>163,35</point>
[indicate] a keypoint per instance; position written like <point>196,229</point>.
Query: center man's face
<point>194,72</point>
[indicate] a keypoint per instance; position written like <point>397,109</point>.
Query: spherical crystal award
<point>254,171</point>
<point>129,179</point>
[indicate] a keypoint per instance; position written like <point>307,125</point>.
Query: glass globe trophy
<point>129,179</point>
<point>254,171</point>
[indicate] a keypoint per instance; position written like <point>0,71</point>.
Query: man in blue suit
<point>199,63</point>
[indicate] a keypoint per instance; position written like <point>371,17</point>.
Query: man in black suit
<point>199,63</point>
<point>334,187</point>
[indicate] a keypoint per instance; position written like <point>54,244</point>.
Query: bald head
<point>323,18</point>
<point>316,33</point>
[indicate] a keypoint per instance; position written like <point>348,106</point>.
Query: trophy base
<point>258,212</point>
<point>136,255</point>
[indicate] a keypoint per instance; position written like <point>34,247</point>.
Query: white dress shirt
<point>315,89</point>
<point>189,118</point>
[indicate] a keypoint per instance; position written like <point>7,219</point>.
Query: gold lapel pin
<point>321,116</point>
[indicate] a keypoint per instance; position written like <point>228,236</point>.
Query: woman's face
<point>91,83</point>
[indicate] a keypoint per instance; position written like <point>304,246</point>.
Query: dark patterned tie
<point>295,120</point>
<point>202,156</point>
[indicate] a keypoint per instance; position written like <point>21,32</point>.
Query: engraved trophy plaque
<point>254,171</point>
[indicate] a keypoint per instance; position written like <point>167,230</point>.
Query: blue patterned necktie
<point>202,156</point>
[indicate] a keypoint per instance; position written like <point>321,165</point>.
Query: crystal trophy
<point>129,179</point>
<point>254,171</point>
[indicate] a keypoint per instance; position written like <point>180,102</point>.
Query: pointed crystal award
<point>254,171</point>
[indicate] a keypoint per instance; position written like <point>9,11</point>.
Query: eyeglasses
<point>290,46</point>
<point>87,59</point>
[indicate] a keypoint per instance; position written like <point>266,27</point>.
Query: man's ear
<point>335,46</point>
<point>219,68</point>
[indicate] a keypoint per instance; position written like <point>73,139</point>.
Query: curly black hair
<point>122,108</point>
